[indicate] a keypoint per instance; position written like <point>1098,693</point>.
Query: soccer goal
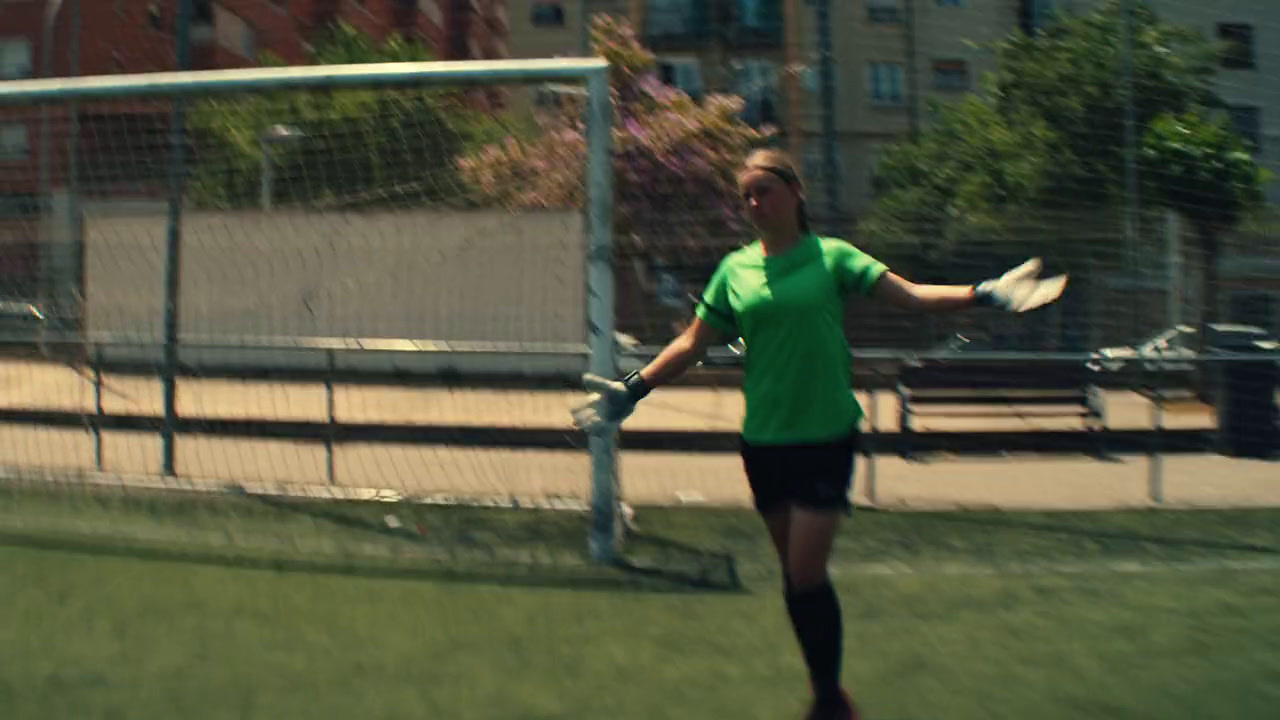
<point>346,226</point>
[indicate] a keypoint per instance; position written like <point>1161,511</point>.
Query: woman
<point>784,294</point>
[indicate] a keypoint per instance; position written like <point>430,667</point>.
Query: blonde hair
<point>780,164</point>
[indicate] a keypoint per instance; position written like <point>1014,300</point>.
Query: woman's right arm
<point>680,354</point>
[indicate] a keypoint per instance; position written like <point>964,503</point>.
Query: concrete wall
<point>486,276</point>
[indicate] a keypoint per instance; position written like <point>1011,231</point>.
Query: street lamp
<point>275,135</point>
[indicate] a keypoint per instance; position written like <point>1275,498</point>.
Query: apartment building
<point>1248,79</point>
<point>553,28</point>
<point>767,52</point>
<point>122,147</point>
<point>100,37</point>
<point>890,58</point>
<point>701,45</point>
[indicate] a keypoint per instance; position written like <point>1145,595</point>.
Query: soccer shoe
<point>844,710</point>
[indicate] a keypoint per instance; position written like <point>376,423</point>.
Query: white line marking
<point>1265,564</point>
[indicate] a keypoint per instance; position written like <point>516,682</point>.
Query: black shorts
<point>812,475</point>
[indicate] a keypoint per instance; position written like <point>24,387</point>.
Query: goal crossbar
<point>170,84</point>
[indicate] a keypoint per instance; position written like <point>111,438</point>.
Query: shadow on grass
<point>502,546</point>
<point>650,562</point>
<point>627,575</point>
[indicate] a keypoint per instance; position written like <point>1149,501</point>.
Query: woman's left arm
<point>914,297</point>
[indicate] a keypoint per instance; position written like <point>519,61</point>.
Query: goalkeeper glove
<point>1019,290</point>
<point>610,402</point>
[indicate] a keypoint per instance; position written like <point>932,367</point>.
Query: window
<point>1238,51</point>
<point>202,12</point>
<point>674,17</point>
<point>13,142</point>
<point>15,58</point>
<point>19,205</point>
<point>548,14</point>
<point>884,11</point>
<point>765,15</point>
<point>950,75</point>
<point>155,19</point>
<point>757,82</point>
<point>234,33</point>
<point>431,8</point>
<point>1246,120</point>
<point>1038,13</point>
<point>886,83</point>
<point>753,22</point>
<point>683,73</point>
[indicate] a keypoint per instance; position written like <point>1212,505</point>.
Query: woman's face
<point>771,203</point>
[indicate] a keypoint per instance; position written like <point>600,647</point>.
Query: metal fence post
<point>96,359</point>
<point>329,437</point>
<point>173,257</point>
<point>1155,475</point>
<point>870,455</point>
<point>1155,395</point>
<point>605,536</point>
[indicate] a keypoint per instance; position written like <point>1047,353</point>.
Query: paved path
<point>1025,481</point>
<point>57,387</point>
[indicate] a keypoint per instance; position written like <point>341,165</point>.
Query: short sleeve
<point>714,308</point>
<point>856,271</point>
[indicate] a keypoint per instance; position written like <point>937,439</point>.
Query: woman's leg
<point>778,523</point>
<point>812,602</point>
<point>803,537</point>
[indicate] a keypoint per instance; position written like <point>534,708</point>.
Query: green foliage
<point>1071,75</point>
<point>359,146</point>
<point>1201,167</point>
<point>343,44</point>
<point>964,175</point>
<point>675,159</point>
<point>1047,134</point>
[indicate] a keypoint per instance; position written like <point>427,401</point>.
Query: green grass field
<point>156,606</point>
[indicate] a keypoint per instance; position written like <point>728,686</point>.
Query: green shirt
<point>789,311</point>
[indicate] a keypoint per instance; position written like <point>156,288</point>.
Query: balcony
<point>678,24</point>
<point>753,24</point>
<point>694,24</point>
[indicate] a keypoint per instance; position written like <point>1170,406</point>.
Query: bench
<point>958,388</point>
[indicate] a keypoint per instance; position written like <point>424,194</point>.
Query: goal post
<point>321,200</point>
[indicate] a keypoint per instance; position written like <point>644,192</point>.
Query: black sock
<point>815,615</point>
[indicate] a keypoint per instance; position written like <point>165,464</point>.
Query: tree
<point>357,147</point>
<point>1201,168</point>
<point>1071,76</point>
<point>1047,134</point>
<point>674,158</point>
<point>962,177</point>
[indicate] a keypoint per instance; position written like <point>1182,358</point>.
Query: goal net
<point>318,277</point>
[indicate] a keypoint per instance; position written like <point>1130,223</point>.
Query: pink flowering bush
<point>675,158</point>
